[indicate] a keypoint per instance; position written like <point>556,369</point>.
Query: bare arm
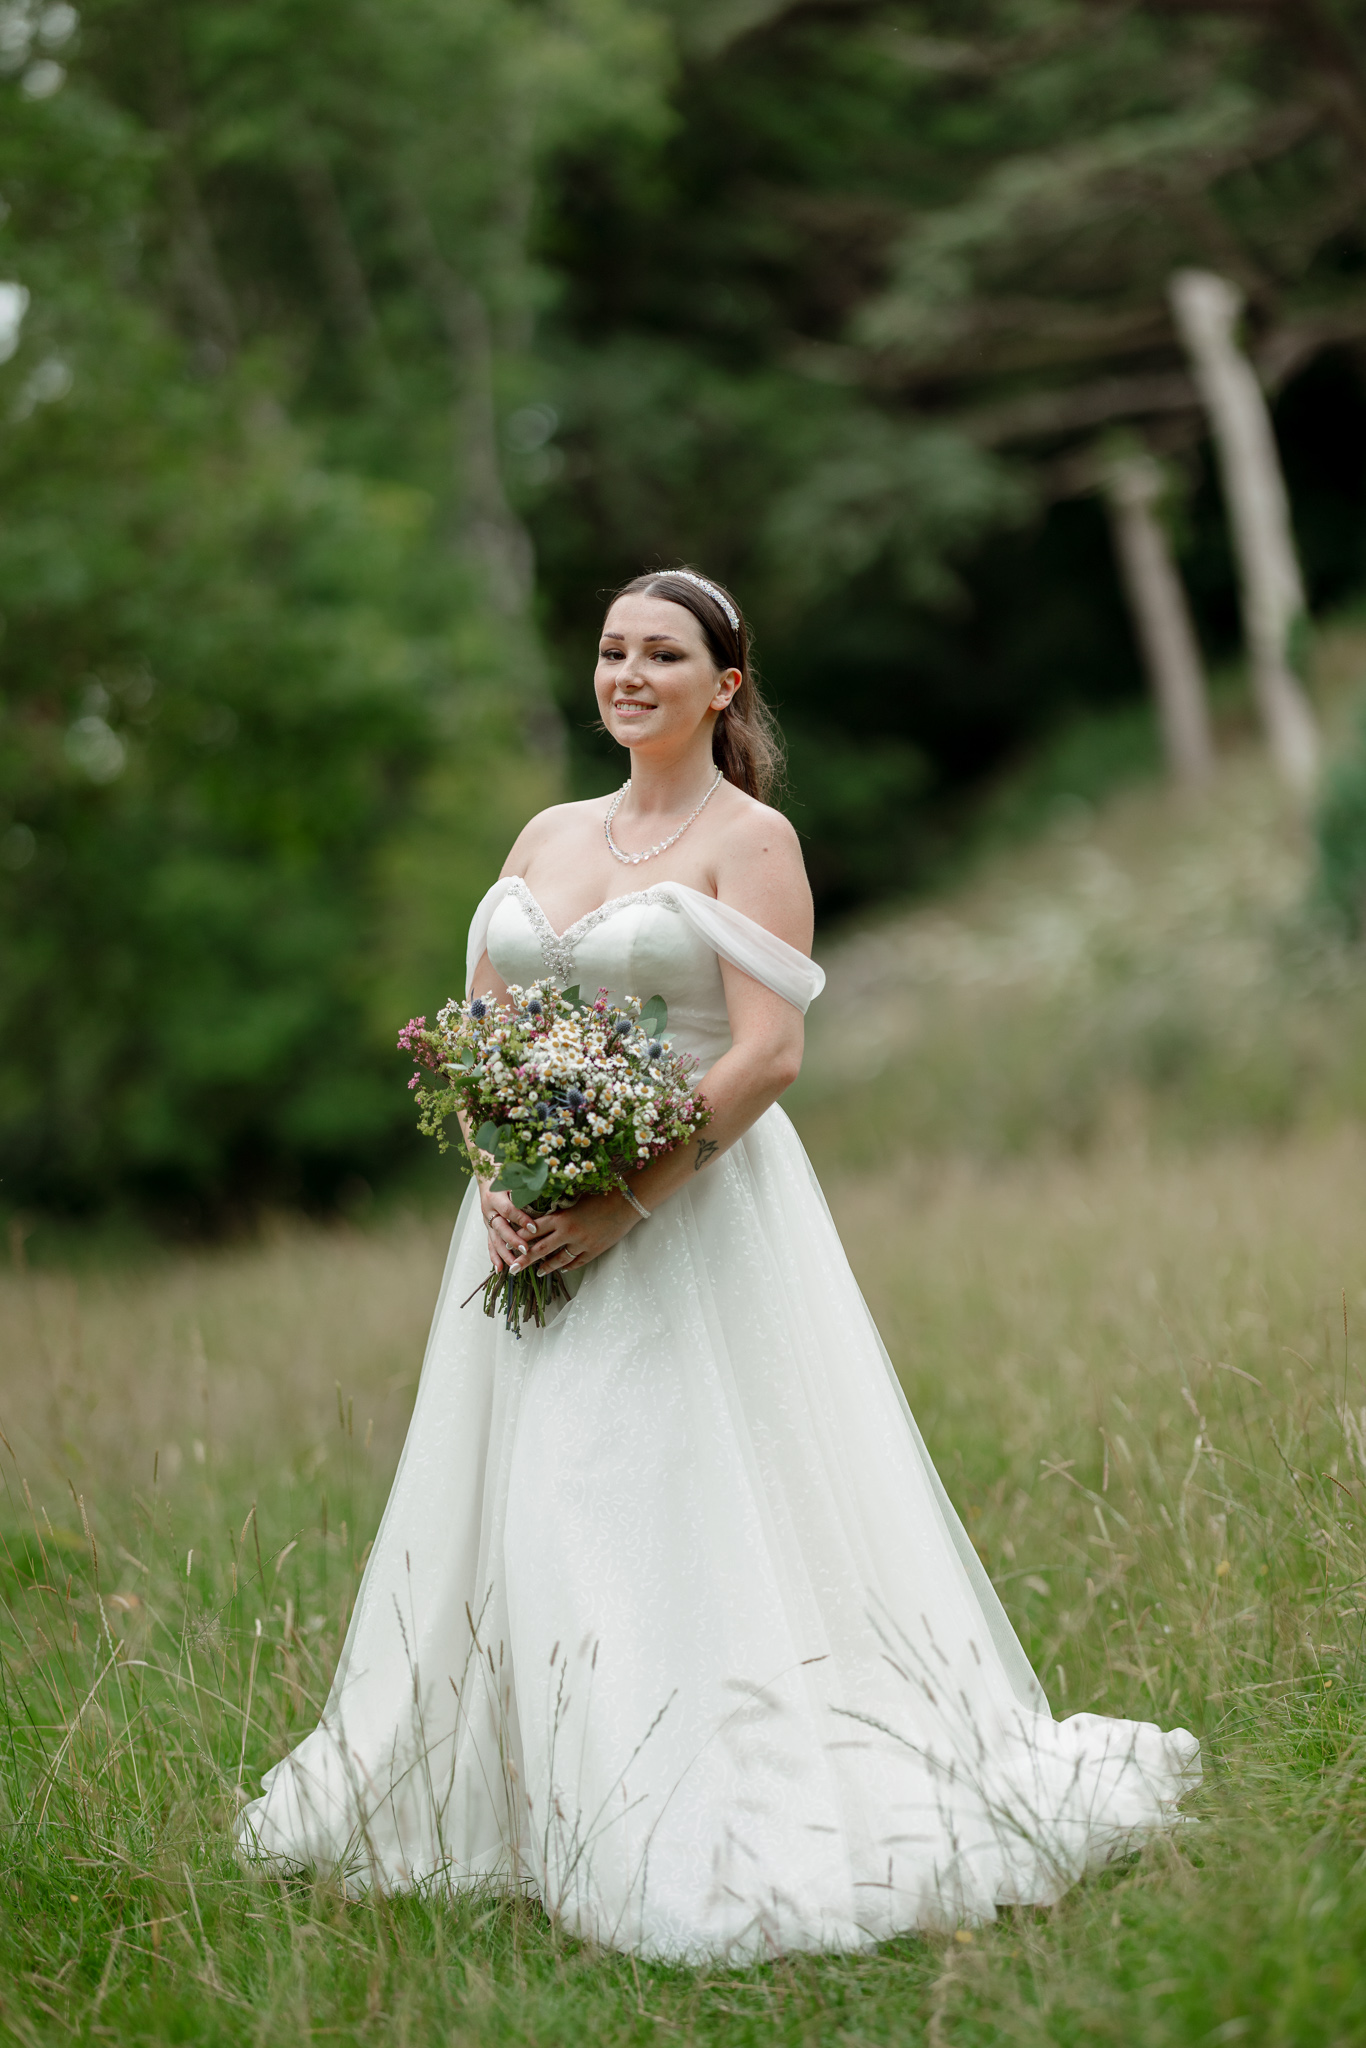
<point>509,1228</point>
<point>764,1059</point>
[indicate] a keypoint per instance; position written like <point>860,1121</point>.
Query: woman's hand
<point>510,1229</point>
<point>572,1237</point>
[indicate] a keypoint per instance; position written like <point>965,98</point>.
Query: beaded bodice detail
<point>558,948</point>
<point>634,945</point>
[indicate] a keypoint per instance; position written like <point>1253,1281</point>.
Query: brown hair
<point>746,743</point>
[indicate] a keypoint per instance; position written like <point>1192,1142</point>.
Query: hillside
<point>1152,965</point>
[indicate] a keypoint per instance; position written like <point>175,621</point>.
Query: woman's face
<point>657,685</point>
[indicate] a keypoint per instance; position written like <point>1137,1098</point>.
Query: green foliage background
<point>366,347</point>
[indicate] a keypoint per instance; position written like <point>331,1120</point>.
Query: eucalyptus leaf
<point>488,1137</point>
<point>654,1017</point>
<point>522,1182</point>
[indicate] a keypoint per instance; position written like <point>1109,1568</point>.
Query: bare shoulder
<point>757,829</point>
<point>556,822</point>
<point>760,869</point>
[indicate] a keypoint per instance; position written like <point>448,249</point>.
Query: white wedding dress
<point>669,1615</point>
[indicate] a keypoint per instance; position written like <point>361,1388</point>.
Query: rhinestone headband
<point>691,576</point>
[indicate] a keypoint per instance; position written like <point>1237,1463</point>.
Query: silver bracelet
<point>639,1207</point>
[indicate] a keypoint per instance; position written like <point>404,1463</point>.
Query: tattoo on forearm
<point>707,1148</point>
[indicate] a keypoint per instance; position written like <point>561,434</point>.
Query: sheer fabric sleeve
<point>479,927</point>
<point>751,947</point>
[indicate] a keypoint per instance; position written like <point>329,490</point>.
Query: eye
<point>609,654</point>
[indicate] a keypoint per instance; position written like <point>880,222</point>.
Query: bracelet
<point>639,1207</point>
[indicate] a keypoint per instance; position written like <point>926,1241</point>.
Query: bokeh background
<point>355,351</point>
<point>349,355</point>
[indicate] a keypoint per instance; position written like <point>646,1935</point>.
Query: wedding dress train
<point>668,1613</point>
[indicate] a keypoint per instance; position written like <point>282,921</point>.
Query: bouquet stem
<point>524,1297</point>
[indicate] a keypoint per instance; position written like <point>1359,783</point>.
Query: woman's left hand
<point>573,1237</point>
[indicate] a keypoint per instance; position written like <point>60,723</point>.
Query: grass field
<point>1136,1342</point>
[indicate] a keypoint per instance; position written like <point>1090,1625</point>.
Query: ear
<point>727,683</point>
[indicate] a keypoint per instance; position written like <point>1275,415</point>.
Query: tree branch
<point>493,533</point>
<point>1312,29</point>
<point>1045,415</point>
<point>1105,401</point>
<point>194,257</point>
<point>330,233</point>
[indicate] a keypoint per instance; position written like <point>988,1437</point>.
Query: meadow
<point>1093,1133</point>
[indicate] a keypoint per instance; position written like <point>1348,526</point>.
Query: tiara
<point>691,576</point>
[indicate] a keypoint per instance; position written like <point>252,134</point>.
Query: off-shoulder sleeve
<point>479,927</point>
<point>751,947</point>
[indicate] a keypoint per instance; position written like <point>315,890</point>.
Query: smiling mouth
<point>631,707</point>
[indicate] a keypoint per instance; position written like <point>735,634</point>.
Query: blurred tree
<point>1133,491</point>
<point>894,271</point>
<point>1207,308</point>
<point>210,714</point>
<point>273,701</point>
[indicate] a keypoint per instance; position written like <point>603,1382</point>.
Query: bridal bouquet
<point>562,1095</point>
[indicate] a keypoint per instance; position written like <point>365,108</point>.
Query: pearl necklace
<point>629,860</point>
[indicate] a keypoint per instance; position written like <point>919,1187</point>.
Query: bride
<point>669,1615</point>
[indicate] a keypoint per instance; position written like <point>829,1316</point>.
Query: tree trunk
<point>330,234</point>
<point>1171,653</point>
<point>203,291</point>
<point>1206,307</point>
<point>493,538</point>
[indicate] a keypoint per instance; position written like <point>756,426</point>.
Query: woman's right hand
<point>510,1229</point>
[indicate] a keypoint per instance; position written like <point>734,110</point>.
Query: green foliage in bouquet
<point>560,1098</point>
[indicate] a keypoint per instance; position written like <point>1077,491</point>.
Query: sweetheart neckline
<point>519,886</point>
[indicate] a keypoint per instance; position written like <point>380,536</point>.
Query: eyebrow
<point>671,638</point>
